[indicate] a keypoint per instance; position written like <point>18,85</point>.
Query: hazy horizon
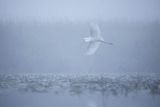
<point>43,61</point>
<point>82,10</point>
<point>37,34</point>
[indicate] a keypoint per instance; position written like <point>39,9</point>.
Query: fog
<point>41,47</point>
<point>58,10</point>
<point>44,35</point>
<point>43,60</point>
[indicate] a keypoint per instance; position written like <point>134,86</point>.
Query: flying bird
<point>94,40</point>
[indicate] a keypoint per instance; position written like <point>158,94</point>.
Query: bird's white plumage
<point>92,47</point>
<point>95,30</point>
<point>87,39</point>
<point>93,39</point>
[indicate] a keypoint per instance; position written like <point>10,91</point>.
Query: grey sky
<point>80,9</point>
<point>59,47</point>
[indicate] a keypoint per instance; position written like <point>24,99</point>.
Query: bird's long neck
<point>102,41</point>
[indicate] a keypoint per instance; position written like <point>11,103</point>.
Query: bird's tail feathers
<point>87,39</point>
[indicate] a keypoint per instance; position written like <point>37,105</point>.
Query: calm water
<point>79,91</point>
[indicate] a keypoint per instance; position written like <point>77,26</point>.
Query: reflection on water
<point>92,88</point>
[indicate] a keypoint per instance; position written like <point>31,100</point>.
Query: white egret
<point>95,39</point>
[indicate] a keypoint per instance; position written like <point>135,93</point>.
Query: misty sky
<point>48,47</point>
<point>79,9</point>
<point>58,48</point>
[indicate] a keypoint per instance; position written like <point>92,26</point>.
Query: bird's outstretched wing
<point>92,47</point>
<point>94,30</point>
